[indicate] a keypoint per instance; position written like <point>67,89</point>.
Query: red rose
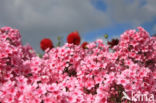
<point>74,38</point>
<point>84,45</point>
<point>45,44</point>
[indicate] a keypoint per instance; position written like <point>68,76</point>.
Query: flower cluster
<point>73,73</point>
<point>13,54</point>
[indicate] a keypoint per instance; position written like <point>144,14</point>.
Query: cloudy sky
<point>37,19</point>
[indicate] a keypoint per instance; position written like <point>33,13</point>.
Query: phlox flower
<point>72,74</point>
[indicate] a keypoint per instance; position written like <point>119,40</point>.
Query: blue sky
<point>115,30</point>
<point>92,18</point>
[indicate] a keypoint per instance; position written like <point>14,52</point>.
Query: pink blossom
<point>71,74</point>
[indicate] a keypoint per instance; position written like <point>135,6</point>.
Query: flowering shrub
<point>74,74</point>
<point>13,54</point>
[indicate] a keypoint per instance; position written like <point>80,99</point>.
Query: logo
<point>139,97</point>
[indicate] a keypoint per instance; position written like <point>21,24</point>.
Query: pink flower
<point>70,74</point>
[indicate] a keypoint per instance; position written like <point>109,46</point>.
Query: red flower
<point>113,42</point>
<point>74,38</point>
<point>45,44</point>
<point>84,45</point>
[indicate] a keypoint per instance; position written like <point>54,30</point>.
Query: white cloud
<point>59,15</point>
<point>134,12</point>
<point>151,7</point>
<point>50,18</point>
